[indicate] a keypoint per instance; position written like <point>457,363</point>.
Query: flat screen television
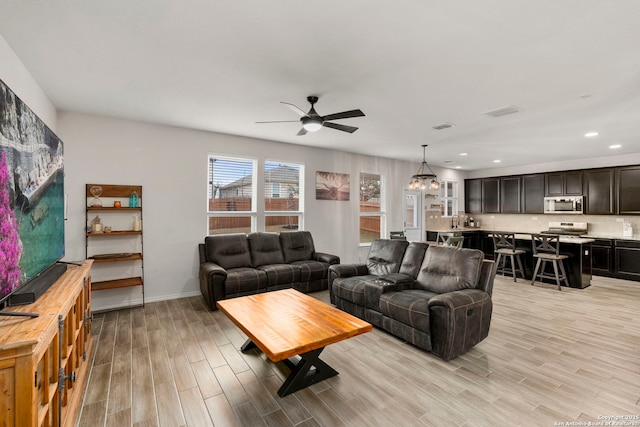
<point>32,201</point>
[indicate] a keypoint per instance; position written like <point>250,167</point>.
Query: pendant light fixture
<point>421,180</point>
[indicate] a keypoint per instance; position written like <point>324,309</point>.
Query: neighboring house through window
<point>372,207</point>
<point>283,201</point>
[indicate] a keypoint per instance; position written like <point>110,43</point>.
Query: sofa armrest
<point>458,321</point>
<point>328,258</point>
<point>212,278</point>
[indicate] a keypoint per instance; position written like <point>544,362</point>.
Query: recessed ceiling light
<point>464,154</point>
<point>615,146</point>
<point>458,167</point>
<point>497,161</point>
<point>591,134</point>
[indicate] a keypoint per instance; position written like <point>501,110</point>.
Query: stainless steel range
<point>567,228</point>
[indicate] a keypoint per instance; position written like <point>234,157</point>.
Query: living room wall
<point>171,165</point>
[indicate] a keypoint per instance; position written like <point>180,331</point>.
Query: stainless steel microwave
<point>564,205</point>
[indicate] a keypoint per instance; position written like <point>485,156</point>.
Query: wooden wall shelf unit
<point>44,361</point>
<point>100,245</point>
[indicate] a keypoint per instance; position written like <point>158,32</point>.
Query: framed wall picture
<point>332,186</point>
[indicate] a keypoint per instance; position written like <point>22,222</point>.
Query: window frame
<point>211,188</point>
<point>454,198</point>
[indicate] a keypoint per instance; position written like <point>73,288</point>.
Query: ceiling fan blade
<point>295,109</point>
<point>281,121</point>
<point>344,128</point>
<point>302,131</point>
<point>344,115</point>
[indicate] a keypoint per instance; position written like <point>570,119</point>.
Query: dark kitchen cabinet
<point>628,190</point>
<point>599,191</point>
<point>471,239</point>
<point>510,189</point>
<point>473,195</point>
<point>567,183</point>
<point>602,261</point>
<point>627,254</point>
<point>533,193</point>
<point>491,195</point>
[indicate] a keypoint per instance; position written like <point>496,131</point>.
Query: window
<point>282,196</point>
<point>231,201</point>
<point>449,198</point>
<point>372,211</point>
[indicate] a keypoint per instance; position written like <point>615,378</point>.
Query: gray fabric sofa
<point>233,265</point>
<point>435,297</point>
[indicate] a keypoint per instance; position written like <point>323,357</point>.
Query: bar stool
<point>504,245</point>
<point>454,241</point>
<point>546,248</point>
<point>443,236</point>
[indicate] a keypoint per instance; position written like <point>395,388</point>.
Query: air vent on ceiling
<point>509,109</point>
<point>443,126</point>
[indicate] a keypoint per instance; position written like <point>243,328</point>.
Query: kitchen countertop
<point>526,235</point>
<point>589,236</point>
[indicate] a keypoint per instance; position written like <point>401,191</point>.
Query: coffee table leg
<point>302,376</point>
<point>248,345</point>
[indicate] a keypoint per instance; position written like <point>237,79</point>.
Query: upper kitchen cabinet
<point>628,190</point>
<point>491,195</point>
<point>567,183</point>
<point>533,193</point>
<point>510,193</point>
<point>473,195</point>
<point>599,191</point>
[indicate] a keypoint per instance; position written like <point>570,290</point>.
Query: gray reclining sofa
<point>435,297</point>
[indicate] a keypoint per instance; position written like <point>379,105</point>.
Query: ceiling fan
<point>312,121</point>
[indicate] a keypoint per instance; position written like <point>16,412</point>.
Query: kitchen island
<point>578,249</point>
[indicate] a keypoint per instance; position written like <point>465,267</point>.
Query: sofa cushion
<point>265,248</point>
<point>245,281</point>
<point>385,256</point>
<point>296,246</point>
<point>410,307</point>
<point>352,289</point>
<point>412,259</point>
<point>447,269</point>
<point>281,274</point>
<point>228,250</point>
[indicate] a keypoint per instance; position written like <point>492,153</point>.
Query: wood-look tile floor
<point>551,357</point>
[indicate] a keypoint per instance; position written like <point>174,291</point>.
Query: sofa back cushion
<point>447,269</point>
<point>265,249</point>
<point>385,256</point>
<point>228,250</point>
<point>412,259</point>
<point>296,246</point>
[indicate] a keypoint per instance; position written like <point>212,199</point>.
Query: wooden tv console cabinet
<point>44,361</point>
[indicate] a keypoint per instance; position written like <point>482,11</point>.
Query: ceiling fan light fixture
<point>424,176</point>
<point>311,124</point>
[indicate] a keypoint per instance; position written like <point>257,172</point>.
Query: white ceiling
<point>571,66</point>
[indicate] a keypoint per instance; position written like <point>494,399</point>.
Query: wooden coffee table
<point>288,323</point>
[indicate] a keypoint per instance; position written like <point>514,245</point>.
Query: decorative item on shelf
<point>134,200</point>
<point>117,204</point>
<point>96,190</point>
<point>96,225</point>
<point>136,223</point>
<point>421,178</point>
<point>107,229</point>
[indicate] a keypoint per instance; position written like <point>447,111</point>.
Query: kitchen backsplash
<point>598,225</point>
